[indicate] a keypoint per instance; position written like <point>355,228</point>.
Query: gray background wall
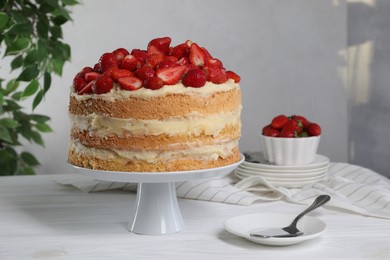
<point>291,55</point>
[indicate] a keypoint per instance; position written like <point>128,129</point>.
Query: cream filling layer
<point>211,152</point>
<point>194,124</point>
<point>116,93</point>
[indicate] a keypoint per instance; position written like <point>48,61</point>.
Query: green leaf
<point>70,2</point>
<point>42,49</point>
<point>28,171</point>
<point>53,3</point>
<point>57,66</point>
<point>46,81</point>
<point>12,85</point>
<point>3,20</point>
<point>17,95</point>
<point>22,29</point>
<point>44,128</point>
<point>4,134</point>
<point>31,89</point>
<point>39,118</point>
<point>11,105</point>
<point>37,99</point>
<point>32,57</point>
<point>8,123</point>
<point>29,159</point>
<point>43,27</point>
<point>37,138</point>
<point>29,73</point>
<point>18,45</point>
<point>17,62</point>
<point>56,31</point>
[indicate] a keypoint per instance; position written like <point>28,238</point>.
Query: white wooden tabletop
<point>41,219</point>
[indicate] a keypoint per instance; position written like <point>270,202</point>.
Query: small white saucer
<point>243,225</point>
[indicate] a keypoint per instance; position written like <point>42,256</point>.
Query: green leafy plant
<point>31,38</point>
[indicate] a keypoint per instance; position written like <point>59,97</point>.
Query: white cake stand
<point>156,209</point>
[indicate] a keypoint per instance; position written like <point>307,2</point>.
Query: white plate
<point>312,173</point>
<point>319,161</point>
<point>319,176</point>
<point>284,171</point>
<point>243,225</point>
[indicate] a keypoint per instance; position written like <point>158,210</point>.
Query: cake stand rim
<point>156,177</point>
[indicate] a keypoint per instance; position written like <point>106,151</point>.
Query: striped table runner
<point>353,188</point>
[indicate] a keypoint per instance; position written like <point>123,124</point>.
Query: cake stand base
<point>156,209</point>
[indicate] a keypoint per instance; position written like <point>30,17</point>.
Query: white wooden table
<point>40,219</point>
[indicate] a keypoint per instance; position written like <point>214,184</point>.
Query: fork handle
<point>319,201</point>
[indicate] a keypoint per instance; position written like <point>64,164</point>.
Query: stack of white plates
<point>294,176</point>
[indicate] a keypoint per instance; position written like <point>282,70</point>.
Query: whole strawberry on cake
<point>164,108</point>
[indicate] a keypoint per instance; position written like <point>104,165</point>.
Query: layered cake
<point>164,108</point>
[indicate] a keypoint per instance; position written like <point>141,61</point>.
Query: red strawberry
<point>130,83</point>
<point>183,61</point>
<point>170,75</point>
<point>120,53</point>
<point>292,126</point>
<point>270,131</point>
<point>188,43</point>
<point>130,62</point>
<point>87,88</point>
<point>301,119</point>
<point>162,44</point>
<point>97,68</point>
<point>153,50</point>
<point>140,55</point>
<point>109,71</point>
<point>180,51</point>
<point>287,133</point>
<point>108,60</point>
<point>190,67</point>
<point>102,85</point>
<point>195,78</point>
<point>197,55</point>
<point>116,74</point>
<point>279,121</point>
<point>166,63</point>
<point>231,75</point>
<point>153,83</point>
<point>87,69</point>
<point>215,74</point>
<point>314,129</point>
<point>89,76</point>
<point>154,59</point>
<point>207,54</point>
<point>79,83</point>
<point>145,72</point>
<point>214,62</point>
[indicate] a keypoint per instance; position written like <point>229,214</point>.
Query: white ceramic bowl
<point>290,151</point>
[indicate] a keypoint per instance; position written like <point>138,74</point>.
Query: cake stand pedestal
<point>156,208</point>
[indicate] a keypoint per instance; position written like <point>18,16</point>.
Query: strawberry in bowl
<point>290,140</point>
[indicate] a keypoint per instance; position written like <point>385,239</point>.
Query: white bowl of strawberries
<point>290,140</point>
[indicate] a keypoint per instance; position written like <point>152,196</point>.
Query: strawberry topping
<point>197,55</point>
<point>91,76</point>
<point>157,65</point>
<point>130,83</point>
<point>171,75</point>
<point>102,85</point>
<point>153,83</point>
<point>162,44</point>
<point>195,78</point>
<point>107,60</point>
<point>116,74</point>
